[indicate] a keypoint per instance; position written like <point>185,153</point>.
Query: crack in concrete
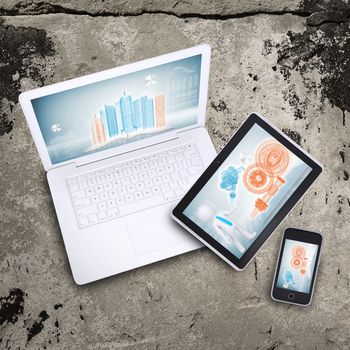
<point>42,8</point>
<point>326,17</point>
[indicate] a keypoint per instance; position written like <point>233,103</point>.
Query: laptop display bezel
<point>25,99</point>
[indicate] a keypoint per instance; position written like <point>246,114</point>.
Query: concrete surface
<point>286,59</point>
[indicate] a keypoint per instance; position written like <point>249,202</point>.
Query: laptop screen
<point>119,110</point>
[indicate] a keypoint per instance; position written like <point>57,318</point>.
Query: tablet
<point>247,190</point>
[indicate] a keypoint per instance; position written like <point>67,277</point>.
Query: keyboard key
<point>173,185</point>
<point>113,212</point>
<point>134,178</point>
<point>166,178</point>
<point>73,186</point>
<point>169,168</point>
<point>107,186</point>
<point>131,188</point>
<point>95,198</point>
<point>187,162</point>
<point>138,195</point>
<point>102,215</point>
<point>157,180</point>
<point>111,203</point>
<point>135,169</point>
<point>84,202</point>
<point>83,221</point>
<point>118,174</point>
<point>90,191</point>
<point>78,195</point>
<point>125,181</point>
<point>102,206</point>
<point>160,171</point>
<point>179,156</point>
<point>109,176</point>
<point>122,191</point>
<point>116,183</point>
<point>140,186</point>
<point>100,179</point>
<point>152,164</point>
<point>98,188</point>
<point>156,190</point>
<point>175,175</point>
<point>148,183</point>
<point>164,187</point>
<point>113,193</point>
<point>170,159</point>
<point>168,196</point>
<point>120,200</point>
<point>147,192</point>
<point>183,173</point>
<point>92,182</point>
<point>83,184</point>
<point>144,167</point>
<point>126,172</point>
<point>87,210</point>
<point>143,176</point>
<point>93,218</point>
<point>194,169</point>
<point>152,173</point>
<point>129,198</point>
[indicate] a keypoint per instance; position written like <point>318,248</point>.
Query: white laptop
<point>120,148</point>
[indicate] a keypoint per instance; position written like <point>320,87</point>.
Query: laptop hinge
<point>169,138</point>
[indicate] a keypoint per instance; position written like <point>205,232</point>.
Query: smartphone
<point>297,266</point>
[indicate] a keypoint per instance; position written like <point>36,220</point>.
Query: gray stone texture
<point>285,59</point>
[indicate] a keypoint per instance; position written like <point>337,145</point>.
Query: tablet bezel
<point>207,239</point>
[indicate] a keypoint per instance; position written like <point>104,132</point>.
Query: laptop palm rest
<point>153,230</point>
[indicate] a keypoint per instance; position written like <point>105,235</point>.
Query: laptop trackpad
<point>153,230</point>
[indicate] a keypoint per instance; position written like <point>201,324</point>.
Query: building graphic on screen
<point>127,116</point>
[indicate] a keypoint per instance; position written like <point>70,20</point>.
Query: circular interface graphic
<point>298,254</point>
<point>296,262</point>
<point>274,156</point>
<point>257,178</point>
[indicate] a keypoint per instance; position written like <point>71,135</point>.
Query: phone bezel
<point>281,294</point>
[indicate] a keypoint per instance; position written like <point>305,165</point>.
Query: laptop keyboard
<point>134,185</point>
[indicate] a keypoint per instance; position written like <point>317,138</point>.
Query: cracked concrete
<point>289,60</point>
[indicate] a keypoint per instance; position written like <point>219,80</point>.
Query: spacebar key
<point>141,205</point>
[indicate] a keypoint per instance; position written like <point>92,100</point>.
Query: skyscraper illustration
<point>118,112</point>
<point>149,115</point>
<point>127,111</point>
<point>127,116</point>
<point>97,131</point>
<point>138,120</point>
<point>159,109</point>
<point>111,120</point>
<point>104,122</point>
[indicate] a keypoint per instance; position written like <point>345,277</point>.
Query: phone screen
<point>297,266</point>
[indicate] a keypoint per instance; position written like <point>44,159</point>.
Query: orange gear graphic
<point>260,204</point>
<point>273,155</point>
<point>299,260</point>
<point>257,178</point>
<point>296,262</point>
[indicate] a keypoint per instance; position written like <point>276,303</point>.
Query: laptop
<point>120,148</point>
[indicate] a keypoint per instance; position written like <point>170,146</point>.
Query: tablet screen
<point>247,190</point>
